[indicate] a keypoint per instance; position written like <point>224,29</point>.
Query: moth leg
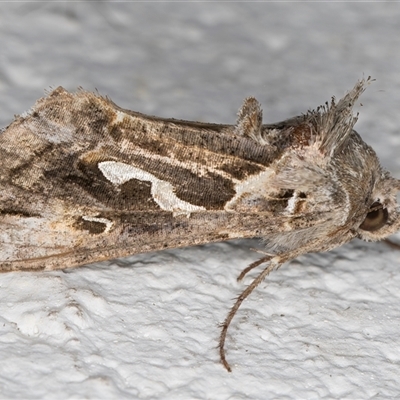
<point>274,262</point>
<point>255,264</point>
<point>272,265</point>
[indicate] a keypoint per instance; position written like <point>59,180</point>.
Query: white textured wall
<point>324,326</point>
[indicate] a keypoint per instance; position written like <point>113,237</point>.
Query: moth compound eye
<point>375,219</point>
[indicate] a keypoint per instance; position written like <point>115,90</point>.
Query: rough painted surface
<point>147,326</point>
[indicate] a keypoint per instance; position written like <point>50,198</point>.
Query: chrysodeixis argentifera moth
<point>83,180</point>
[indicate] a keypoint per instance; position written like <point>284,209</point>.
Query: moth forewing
<point>83,180</point>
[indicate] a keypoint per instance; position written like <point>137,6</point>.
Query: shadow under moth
<point>83,180</point>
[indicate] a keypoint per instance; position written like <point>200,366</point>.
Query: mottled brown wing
<point>83,180</point>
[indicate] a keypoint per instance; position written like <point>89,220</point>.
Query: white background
<point>147,326</point>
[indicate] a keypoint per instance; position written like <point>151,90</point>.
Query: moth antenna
<point>261,252</point>
<point>392,244</point>
<point>239,301</point>
<point>254,264</point>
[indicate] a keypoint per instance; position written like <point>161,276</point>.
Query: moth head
<point>374,212</point>
<point>381,216</point>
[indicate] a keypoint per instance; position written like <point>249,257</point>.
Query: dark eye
<point>375,219</point>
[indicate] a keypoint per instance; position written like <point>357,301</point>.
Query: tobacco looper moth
<point>83,180</point>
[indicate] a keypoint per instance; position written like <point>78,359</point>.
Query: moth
<point>83,180</point>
